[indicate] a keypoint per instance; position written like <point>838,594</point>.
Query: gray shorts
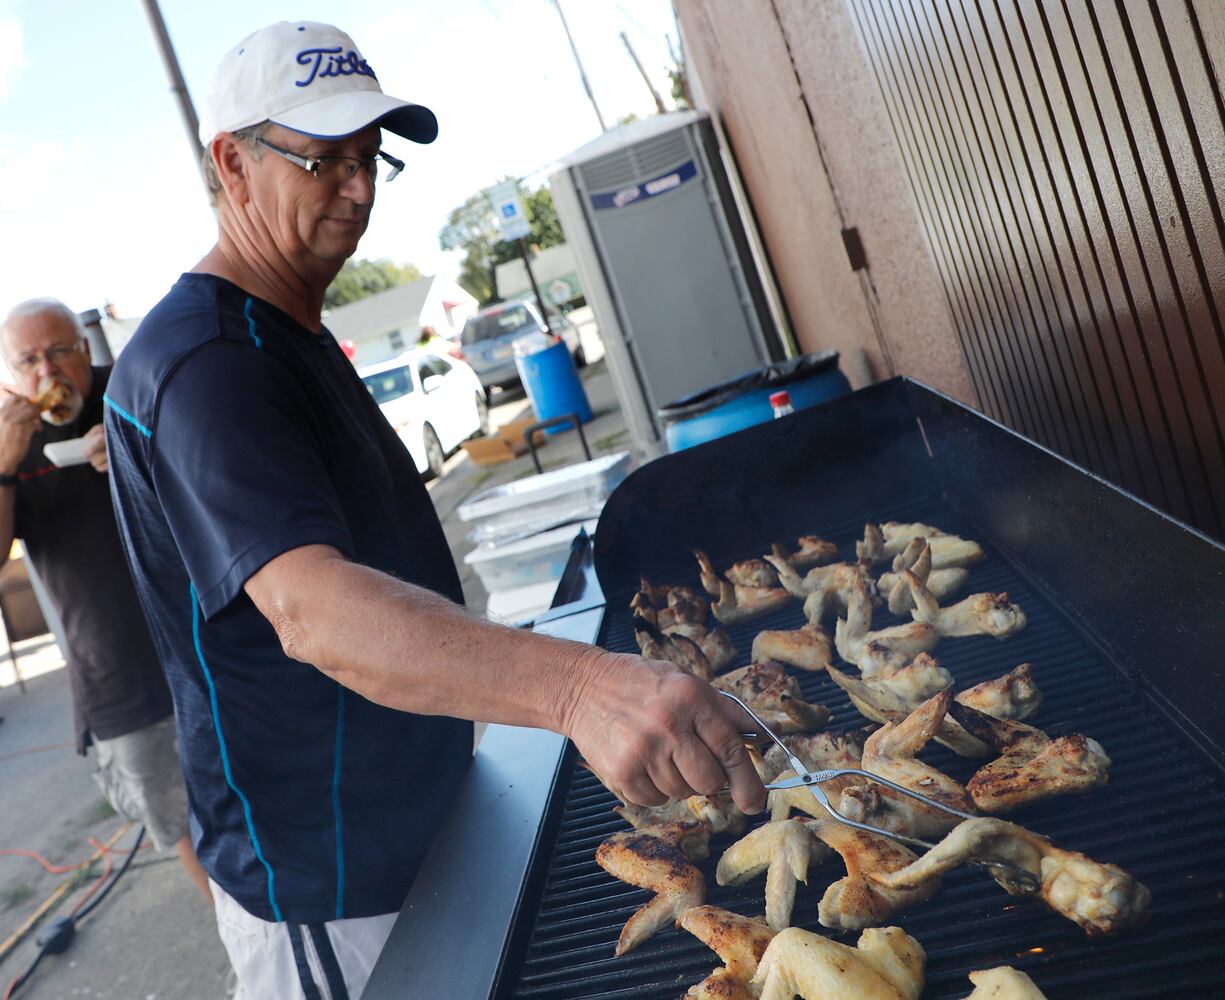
<point>142,778</point>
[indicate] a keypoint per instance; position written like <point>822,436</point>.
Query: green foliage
<point>360,278</point>
<point>473,228</point>
<point>680,87</point>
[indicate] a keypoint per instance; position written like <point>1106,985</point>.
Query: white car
<point>433,402</point>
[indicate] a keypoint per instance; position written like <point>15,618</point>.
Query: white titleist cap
<point>308,77</point>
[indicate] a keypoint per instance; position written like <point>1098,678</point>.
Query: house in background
<point>556,274</point>
<point>390,322</point>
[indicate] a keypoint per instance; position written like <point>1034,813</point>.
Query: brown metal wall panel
<point>1067,160</point>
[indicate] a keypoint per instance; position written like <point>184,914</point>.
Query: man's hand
<point>96,436</point>
<point>651,732</point>
<point>19,420</point>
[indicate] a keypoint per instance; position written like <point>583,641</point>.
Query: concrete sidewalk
<point>153,938</point>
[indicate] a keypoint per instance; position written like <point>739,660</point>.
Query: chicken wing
<point>675,607</point>
<point>978,614</point>
<point>894,646</point>
<point>678,649</point>
<point>655,862</point>
<point>947,550</point>
<point>1031,765</point>
<point>809,551</point>
<point>880,703</point>
<point>738,941</point>
<point>1101,898</point>
<point>855,902</point>
<point>918,559</point>
<point>1013,696</point>
<point>1003,983</point>
<point>817,752</point>
<point>887,964</point>
<point>783,849</point>
<point>809,647</point>
<point>890,752</point>
<point>776,697</point>
<point>718,812</point>
<point>824,590</point>
<point>736,602</point>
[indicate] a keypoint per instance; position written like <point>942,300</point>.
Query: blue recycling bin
<point>745,400</point>
<point>552,384</point>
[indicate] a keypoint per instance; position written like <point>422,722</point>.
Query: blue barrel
<point>552,384</point>
<point>745,400</point>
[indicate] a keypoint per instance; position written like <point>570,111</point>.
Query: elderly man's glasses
<point>56,355</point>
<point>336,169</point>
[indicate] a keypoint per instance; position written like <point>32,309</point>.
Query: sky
<point>101,200</point>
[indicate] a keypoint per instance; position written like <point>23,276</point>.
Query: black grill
<point>1161,816</point>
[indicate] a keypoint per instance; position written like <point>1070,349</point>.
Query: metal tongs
<point>1018,877</point>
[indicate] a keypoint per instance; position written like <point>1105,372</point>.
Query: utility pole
<point>581,72</point>
<point>178,86</point>
<point>659,104</point>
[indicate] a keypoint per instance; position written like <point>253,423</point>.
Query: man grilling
<point>300,590</point>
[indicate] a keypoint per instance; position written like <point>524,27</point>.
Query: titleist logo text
<point>332,62</point>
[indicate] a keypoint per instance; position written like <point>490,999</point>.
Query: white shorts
<point>329,961</point>
<point>142,778</point>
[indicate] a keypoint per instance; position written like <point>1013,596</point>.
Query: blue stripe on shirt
<point>225,757</point>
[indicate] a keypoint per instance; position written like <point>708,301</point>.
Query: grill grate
<point>1160,817</point>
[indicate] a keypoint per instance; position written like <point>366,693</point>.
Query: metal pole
<point>581,72</point>
<point>178,86</point>
<point>659,104</point>
<point>544,315</point>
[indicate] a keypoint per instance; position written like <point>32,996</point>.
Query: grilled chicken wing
<point>823,590</point>
<point>978,614</point>
<point>917,557</point>
<point>809,647</point>
<point>886,965</point>
<point>656,862</point>
<point>1032,766</point>
<point>817,752</point>
<point>768,691</point>
<point>678,649</point>
<point>890,752</point>
<point>718,812</point>
<point>738,941</point>
<point>891,539</point>
<point>736,602</point>
<point>783,850</point>
<point>894,646</point>
<point>880,703</point>
<point>1003,983</point>
<point>855,902</point>
<point>809,551</point>
<point>1013,696</point>
<point>669,607</point>
<point>1099,897</point>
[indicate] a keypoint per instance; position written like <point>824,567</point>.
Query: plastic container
<point>551,382</point>
<point>536,503</point>
<point>745,400</point>
<point>537,559</point>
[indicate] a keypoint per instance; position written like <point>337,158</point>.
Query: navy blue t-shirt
<point>235,435</point>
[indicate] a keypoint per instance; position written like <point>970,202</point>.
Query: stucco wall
<point>790,86</point>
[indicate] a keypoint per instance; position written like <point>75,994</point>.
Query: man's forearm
<point>408,648</point>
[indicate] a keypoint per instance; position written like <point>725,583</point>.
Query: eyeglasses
<point>56,355</point>
<point>336,169</point>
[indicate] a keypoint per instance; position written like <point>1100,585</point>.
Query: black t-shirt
<point>65,519</point>
<point>236,435</point>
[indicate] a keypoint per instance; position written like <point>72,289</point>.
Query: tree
<point>360,278</point>
<point>473,228</point>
